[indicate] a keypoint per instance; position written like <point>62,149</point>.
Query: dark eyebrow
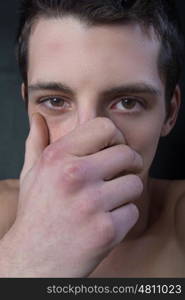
<point>132,88</point>
<point>50,86</point>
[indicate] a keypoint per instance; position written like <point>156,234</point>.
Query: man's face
<point>77,73</point>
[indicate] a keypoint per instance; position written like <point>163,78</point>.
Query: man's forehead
<point>66,48</point>
<point>68,26</point>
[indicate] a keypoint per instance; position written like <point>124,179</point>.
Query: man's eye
<point>53,102</point>
<point>128,104</point>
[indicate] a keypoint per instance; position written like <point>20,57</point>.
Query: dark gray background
<point>170,158</point>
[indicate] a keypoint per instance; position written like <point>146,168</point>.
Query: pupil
<point>56,101</point>
<point>128,103</point>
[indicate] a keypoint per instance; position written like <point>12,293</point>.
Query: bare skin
<point>88,218</point>
<point>159,252</point>
<point>151,255</point>
<point>9,190</point>
<point>87,207</point>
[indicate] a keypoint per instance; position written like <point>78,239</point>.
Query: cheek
<point>143,136</point>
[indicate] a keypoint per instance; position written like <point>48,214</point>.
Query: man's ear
<point>173,111</point>
<point>23,91</point>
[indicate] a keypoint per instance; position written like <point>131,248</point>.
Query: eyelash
<point>137,102</point>
<point>48,99</point>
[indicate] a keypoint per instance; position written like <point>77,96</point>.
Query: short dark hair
<point>159,14</point>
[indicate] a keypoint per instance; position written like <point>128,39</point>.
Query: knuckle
<point>88,204</point>
<point>73,172</point>
<point>86,207</point>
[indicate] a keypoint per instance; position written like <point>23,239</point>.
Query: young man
<point>100,79</point>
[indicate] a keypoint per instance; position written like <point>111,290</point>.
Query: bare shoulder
<point>178,188</point>
<point>173,195</point>
<point>9,190</point>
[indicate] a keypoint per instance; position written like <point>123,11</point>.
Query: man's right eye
<point>56,103</point>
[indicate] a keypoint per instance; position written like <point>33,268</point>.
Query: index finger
<point>91,137</point>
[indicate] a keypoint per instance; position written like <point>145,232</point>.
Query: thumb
<point>37,141</point>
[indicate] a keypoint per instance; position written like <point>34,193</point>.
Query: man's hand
<point>75,201</point>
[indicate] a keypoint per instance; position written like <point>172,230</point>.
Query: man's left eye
<point>128,104</point>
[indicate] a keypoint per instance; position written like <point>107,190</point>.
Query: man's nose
<point>90,112</point>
